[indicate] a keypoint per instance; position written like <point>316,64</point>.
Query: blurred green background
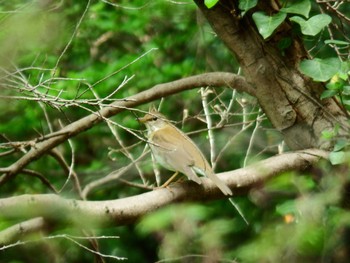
<point>77,50</point>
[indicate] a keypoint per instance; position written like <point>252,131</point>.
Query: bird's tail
<point>219,183</point>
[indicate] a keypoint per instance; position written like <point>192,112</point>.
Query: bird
<point>176,152</point>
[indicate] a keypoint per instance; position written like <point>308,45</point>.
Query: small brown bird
<point>175,151</point>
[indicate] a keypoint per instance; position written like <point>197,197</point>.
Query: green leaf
<point>246,5</point>
<point>336,42</point>
<point>328,94</point>
<point>336,83</point>
<point>337,157</point>
<point>342,75</point>
<point>314,25</point>
<point>267,24</point>
<point>210,3</point>
<point>346,90</point>
<point>340,144</point>
<point>327,135</point>
<point>302,7</point>
<point>345,70</point>
<point>287,207</point>
<point>320,69</point>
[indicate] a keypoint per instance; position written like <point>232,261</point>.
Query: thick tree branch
<point>50,141</point>
<point>289,99</point>
<point>19,231</point>
<point>126,210</point>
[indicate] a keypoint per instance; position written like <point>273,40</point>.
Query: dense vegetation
<point>61,62</point>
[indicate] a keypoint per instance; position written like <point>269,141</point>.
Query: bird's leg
<point>169,180</point>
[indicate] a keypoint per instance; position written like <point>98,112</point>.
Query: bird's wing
<point>167,141</point>
<point>175,150</point>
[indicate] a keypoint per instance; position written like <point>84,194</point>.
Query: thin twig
<point>258,120</point>
<point>204,95</point>
<point>70,238</point>
<point>68,169</point>
<point>115,175</point>
<point>231,140</point>
<point>125,150</point>
<point>41,177</point>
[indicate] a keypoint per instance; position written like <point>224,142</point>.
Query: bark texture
<point>289,99</point>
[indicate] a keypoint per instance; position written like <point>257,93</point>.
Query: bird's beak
<point>145,118</point>
<point>142,119</point>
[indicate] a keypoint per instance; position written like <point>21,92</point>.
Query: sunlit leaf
<point>267,24</point>
<point>288,207</point>
<point>346,90</point>
<point>320,69</point>
<point>344,72</point>
<point>210,3</point>
<point>327,135</point>
<point>337,157</point>
<point>314,25</point>
<point>300,7</point>
<point>336,83</point>
<point>246,5</point>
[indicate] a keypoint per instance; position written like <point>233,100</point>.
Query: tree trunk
<point>289,99</point>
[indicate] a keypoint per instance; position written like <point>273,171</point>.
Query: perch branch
<point>127,210</point>
<point>20,230</point>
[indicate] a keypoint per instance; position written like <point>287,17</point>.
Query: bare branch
<point>115,175</point>
<point>41,177</point>
<point>10,233</point>
<point>127,210</point>
<point>68,169</point>
<point>161,90</point>
<point>258,121</point>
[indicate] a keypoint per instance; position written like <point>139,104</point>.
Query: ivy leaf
<point>327,135</point>
<point>320,69</point>
<point>337,157</point>
<point>246,5</point>
<point>340,145</point>
<point>345,70</point>
<point>328,94</point>
<point>346,90</point>
<point>336,83</point>
<point>210,3</point>
<point>267,24</point>
<point>302,7</point>
<point>314,25</point>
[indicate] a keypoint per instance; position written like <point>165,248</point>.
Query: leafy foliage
<point>267,24</point>
<point>246,5</point>
<point>320,69</point>
<point>314,25</point>
<point>210,3</point>
<point>301,7</point>
<point>121,48</point>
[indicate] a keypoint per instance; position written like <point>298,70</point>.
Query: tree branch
<point>161,90</point>
<point>20,230</point>
<point>127,210</point>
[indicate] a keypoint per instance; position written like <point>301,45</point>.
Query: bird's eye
<point>154,118</point>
